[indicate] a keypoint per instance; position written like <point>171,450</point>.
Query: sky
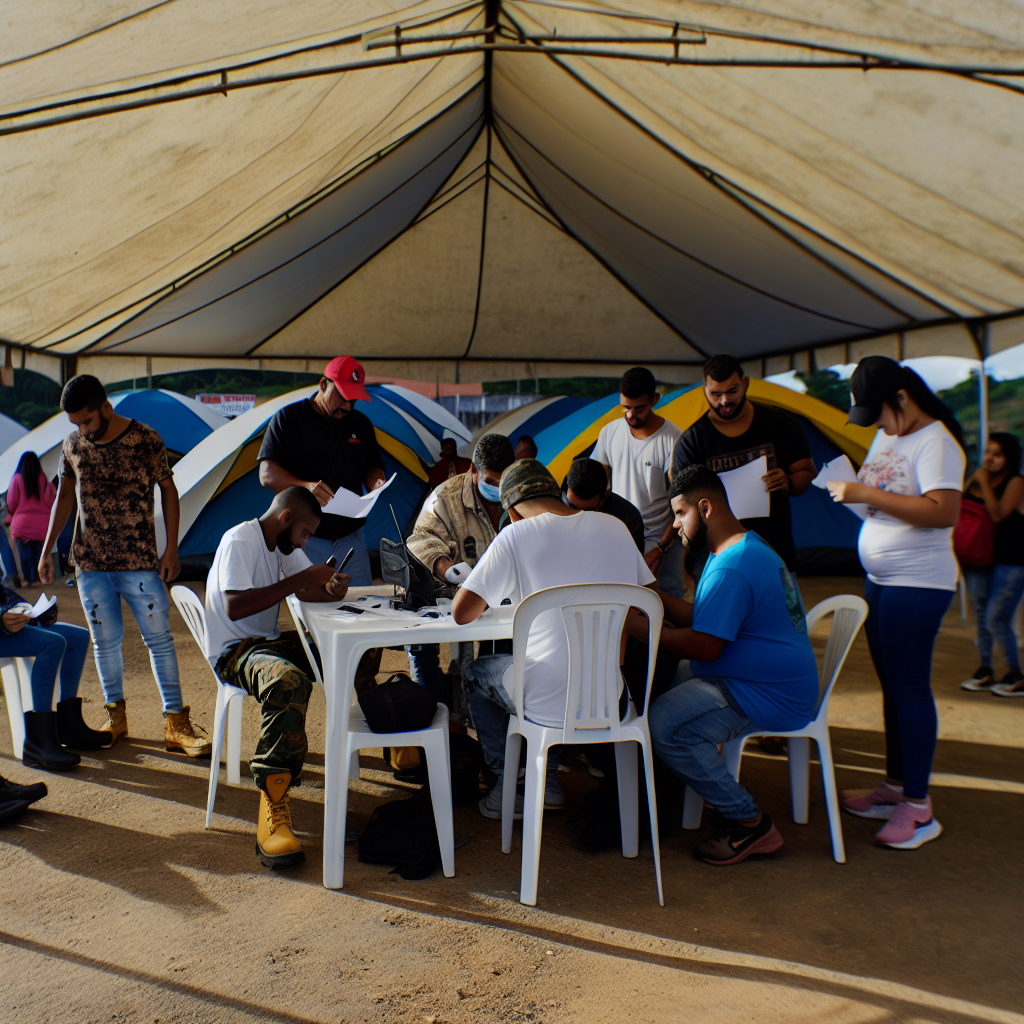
<point>938,372</point>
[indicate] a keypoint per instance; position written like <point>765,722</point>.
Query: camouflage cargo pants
<point>277,674</point>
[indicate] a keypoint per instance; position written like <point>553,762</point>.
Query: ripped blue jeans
<point>146,596</point>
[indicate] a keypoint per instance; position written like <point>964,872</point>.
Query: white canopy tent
<point>488,190</point>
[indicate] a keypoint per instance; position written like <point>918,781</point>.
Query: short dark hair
<point>450,441</point>
<point>81,392</point>
<point>637,382</point>
<point>587,479</point>
<point>720,368</point>
<point>493,452</point>
<point>528,441</point>
<point>298,499</point>
<point>696,481</point>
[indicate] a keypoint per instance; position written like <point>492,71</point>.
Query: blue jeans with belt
<point>146,596</point>
<point>58,645</point>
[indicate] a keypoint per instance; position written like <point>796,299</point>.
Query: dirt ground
<point>119,907</point>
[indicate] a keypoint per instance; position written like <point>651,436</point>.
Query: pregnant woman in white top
<point>911,481</point>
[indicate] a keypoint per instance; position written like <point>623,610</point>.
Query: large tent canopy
<point>483,190</point>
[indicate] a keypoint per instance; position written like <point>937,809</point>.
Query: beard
<point>734,411</point>
<point>285,543</point>
<point>696,551</point>
<point>97,434</point>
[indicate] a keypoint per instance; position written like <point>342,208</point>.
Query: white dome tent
<point>490,190</point>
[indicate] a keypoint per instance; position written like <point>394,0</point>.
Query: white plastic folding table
<point>342,640</point>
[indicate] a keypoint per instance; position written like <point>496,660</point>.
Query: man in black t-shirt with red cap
<point>322,443</point>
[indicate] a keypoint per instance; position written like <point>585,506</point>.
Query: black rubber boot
<point>72,730</point>
<point>30,794</point>
<point>42,750</point>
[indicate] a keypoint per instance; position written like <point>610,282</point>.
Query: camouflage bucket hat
<point>524,479</point>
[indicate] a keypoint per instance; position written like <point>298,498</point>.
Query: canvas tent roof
<point>451,190</point>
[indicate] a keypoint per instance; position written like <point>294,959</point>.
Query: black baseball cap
<point>875,381</point>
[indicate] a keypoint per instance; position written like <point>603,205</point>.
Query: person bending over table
<point>752,662</point>
<point>257,565</point>
<point>547,545</point>
<point>53,645</point>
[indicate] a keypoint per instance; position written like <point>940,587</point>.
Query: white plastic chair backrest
<point>193,612</point>
<point>848,614</point>
<point>593,615</point>
<point>295,610</point>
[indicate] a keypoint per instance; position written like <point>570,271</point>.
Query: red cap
<point>348,375</point>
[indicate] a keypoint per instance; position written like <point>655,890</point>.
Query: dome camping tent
<point>508,188</point>
<point>825,533</point>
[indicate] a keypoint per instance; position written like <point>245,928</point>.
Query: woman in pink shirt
<point>29,499</point>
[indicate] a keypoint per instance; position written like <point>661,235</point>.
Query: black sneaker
<point>29,794</point>
<point>732,841</point>
<point>982,679</point>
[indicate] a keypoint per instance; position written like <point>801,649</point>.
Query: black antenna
<point>401,539</point>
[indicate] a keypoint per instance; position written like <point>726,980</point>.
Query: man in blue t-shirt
<point>752,663</point>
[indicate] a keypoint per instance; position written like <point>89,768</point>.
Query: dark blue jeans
<point>29,551</point>
<point>60,645</point>
<point>901,628</point>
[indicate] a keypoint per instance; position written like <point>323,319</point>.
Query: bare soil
<point>119,907</point>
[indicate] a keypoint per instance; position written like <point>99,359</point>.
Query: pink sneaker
<point>911,825</point>
<point>872,803</point>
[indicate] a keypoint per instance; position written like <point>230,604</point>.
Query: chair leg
<point>218,742</point>
<point>652,810</point>
<point>693,807</point>
<point>334,839</point>
<point>353,767</point>
<point>439,776</point>
<point>533,822</point>
<point>799,777</point>
<point>513,744</point>
<point>234,730</point>
<point>828,777</point>
<point>625,770</point>
<point>15,711</point>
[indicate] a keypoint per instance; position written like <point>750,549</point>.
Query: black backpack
<point>398,705</point>
<point>402,833</point>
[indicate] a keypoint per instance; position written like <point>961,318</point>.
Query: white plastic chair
<point>17,675</point>
<point>593,615</point>
<point>848,614</point>
<point>433,740</point>
<point>229,700</point>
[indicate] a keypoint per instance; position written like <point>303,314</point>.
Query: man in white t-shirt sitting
<point>547,544</point>
<point>636,453</point>
<point>257,565</point>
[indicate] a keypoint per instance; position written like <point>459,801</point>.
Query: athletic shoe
<point>490,805</point>
<point>911,825</point>
<point>554,798</point>
<point>982,679</point>
<point>872,803</point>
<point>1011,685</point>
<point>733,842</point>
<point>595,772</point>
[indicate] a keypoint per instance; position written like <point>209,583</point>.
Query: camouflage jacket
<point>453,523</point>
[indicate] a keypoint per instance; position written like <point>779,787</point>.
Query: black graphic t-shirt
<point>772,433</point>
<point>313,447</point>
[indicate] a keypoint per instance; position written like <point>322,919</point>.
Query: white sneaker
<point>490,805</point>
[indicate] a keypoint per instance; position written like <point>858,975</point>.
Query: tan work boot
<point>117,721</point>
<point>275,842</point>
<point>179,735</point>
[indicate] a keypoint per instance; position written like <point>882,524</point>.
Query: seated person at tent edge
<point>735,431</point>
<point>752,662</point>
<point>547,545</point>
<point>636,452</point>
<point>448,465</point>
<point>526,447</point>
<point>455,526</point>
<point>257,565</point>
<point>112,465</point>
<point>586,488</point>
<point>323,443</point>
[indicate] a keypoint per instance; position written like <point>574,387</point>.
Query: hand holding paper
<point>355,506</point>
<point>840,470</point>
<point>746,490</point>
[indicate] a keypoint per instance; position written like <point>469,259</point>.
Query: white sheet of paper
<point>355,506</point>
<point>840,468</point>
<point>43,605</point>
<point>748,497</point>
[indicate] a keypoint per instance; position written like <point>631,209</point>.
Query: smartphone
<point>351,608</point>
<point>330,561</point>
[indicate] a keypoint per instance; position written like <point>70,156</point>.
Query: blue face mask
<point>488,491</point>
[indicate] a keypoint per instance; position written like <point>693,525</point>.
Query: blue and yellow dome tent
<point>825,533</point>
<point>219,480</point>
